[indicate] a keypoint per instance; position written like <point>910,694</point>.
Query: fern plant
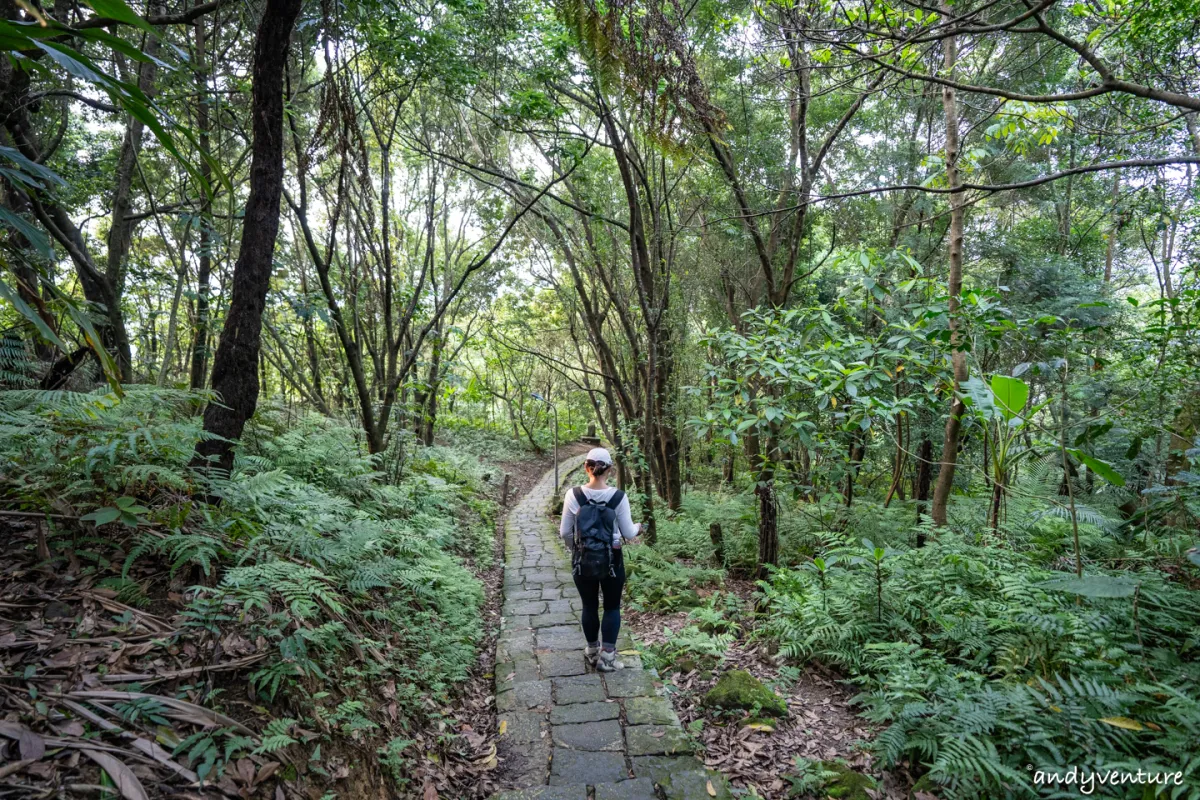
<point>276,736</point>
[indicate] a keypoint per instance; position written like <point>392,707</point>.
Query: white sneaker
<point>608,661</point>
<point>590,655</point>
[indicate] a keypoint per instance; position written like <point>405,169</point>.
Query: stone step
<point>687,783</point>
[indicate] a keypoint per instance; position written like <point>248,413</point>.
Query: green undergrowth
<point>358,589</point>
<point>980,656</point>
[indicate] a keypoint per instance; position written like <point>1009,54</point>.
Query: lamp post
<point>537,396</point>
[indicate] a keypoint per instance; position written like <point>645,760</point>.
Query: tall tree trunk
<point>234,376</point>
<point>200,331</point>
<point>667,440</point>
<point>945,478</point>
<point>120,231</point>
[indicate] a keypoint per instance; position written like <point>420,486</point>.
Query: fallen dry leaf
<point>32,746</point>
<point>267,770</point>
<point>127,783</point>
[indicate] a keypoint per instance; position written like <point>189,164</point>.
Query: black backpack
<point>594,525</point>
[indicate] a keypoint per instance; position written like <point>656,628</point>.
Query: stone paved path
<point>570,733</point>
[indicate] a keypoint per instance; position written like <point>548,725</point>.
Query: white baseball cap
<point>599,454</point>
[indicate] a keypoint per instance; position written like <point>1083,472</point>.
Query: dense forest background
<point>888,311</point>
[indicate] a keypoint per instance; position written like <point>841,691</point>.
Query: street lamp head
<point>537,396</point>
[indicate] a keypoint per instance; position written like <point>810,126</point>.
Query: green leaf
<point>102,516</point>
<point>26,311</point>
<point>1093,432</point>
<point>118,10</point>
<point>75,64</point>
<point>40,174</point>
<point>120,45</point>
<point>35,236</point>
<point>1101,468</point>
<point>1010,395</point>
<point>1091,585</point>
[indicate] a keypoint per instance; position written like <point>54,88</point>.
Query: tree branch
<point>991,188</point>
<point>182,18</point>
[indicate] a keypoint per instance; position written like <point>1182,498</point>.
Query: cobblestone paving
<point>570,733</point>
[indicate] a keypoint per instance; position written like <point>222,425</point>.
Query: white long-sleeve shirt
<point>624,529</point>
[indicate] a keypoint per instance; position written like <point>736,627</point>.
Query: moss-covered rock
<point>684,665</point>
<point>848,784</point>
<point>837,781</point>
<point>739,689</point>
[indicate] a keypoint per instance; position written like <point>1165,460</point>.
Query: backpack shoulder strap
<point>580,497</point>
<point>614,502</point>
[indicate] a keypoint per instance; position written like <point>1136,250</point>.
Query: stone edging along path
<point>568,732</point>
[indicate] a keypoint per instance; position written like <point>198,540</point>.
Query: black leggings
<point>589,592</point>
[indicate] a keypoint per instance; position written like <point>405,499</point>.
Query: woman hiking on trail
<point>596,521</point>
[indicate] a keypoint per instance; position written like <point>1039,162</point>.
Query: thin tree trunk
<point>200,333</point>
<point>924,474</point>
<point>768,525</point>
<point>997,499</point>
<point>1114,230</point>
<point>945,478</point>
<point>120,232</point>
<point>310,341</point>
<point>857,450</point>
<point>172,325</point>
<point>428,409</point>
<point>234,376</point>
<point>898,463</point>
